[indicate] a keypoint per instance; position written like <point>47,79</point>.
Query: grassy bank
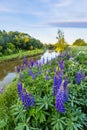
<point>21,54</point>
<point>49,111</point>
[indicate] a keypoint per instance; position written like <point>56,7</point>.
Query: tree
<point>61,44</point>
<point>79,42</point>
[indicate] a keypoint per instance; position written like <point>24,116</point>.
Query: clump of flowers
<point>60,91</point>
<point>26,98</point>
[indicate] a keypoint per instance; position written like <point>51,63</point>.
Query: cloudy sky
<point>42,18</point>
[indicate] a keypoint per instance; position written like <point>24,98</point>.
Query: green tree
<point>79,42</point>
<point>61,44</point>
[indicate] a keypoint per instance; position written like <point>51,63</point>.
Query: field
<point>51,96</point>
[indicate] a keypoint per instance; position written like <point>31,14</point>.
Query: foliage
<point>79,42</point>
<point>61,45</point>
<point>22,54</point>
<point>43,114</point>
<point>12,42</point>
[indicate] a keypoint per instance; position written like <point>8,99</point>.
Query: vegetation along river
<point>7,73</point>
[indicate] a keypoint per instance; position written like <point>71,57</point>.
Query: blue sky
<point>42,18</point>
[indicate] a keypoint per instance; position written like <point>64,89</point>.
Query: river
<point>7,73</point>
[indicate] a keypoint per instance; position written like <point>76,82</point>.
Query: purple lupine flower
<point>79,76</point>
<point>66,82</point>
<point>59,104</point>
<point>33,76</point>
<point>25,61</point>
<point>59,81</point>
<point>24,66</point>
<point>30,100</point>
<point>30,72</point>
<point>29,64</point>
<point>32,63</point>
<point>82,76</point>
<point>37,63</point>
<point>55,85</point>
<point>18,69</point>
<point>61,64</point>
<point>39,72</point>
<point>19,88</point>
<point>68,56</point>
<point>27,99</point>
<point>47,77</point>
<point>65,89</point>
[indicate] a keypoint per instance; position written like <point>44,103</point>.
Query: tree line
<point>14,41</point>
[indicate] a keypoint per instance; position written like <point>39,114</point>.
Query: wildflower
<point>33,76</point>
<point>59,104</point>
<point>19,88</point>
<point>27,99</point>
<point>61,64</point>
<point>25,61</point>
<point>57,83</point>
<point>65,89</point>
<point>30,72</point>
<point>79,76</point>
<point>29,64</point>
<point>18,69</point>
<point>47,77</point>
<point>68,56</point>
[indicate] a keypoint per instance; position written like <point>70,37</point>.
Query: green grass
<point>22,54</point>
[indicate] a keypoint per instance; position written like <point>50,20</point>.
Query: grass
<point>22,54</point>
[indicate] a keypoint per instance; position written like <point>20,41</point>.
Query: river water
<point>7,73</point>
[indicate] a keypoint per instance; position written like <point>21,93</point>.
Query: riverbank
<point>21,54</point>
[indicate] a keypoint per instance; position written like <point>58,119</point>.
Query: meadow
<point>47,95</point>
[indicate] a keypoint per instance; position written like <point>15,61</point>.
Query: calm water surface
<point>7,73</point>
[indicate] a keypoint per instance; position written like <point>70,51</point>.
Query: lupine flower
<point>65,89</point>
<point>29,64</point>
<point>32,62</point>
<point>61,64</point>
<point>30,72</point>
<point>18,69</point>
<point>57,83</point>
<point>62,95</point>
<point>60,100</point>
<point>25,61</point>
<point>33,76</point>
<point>27,99</point>
<point>79,76</point>
<point>24,66</point>
<point>19,89</point>
<point>47,77</point>
<point>68,56</point>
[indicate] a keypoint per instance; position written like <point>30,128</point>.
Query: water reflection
<point>7,73</point>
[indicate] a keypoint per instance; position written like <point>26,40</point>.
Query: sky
<point>42,18</point>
